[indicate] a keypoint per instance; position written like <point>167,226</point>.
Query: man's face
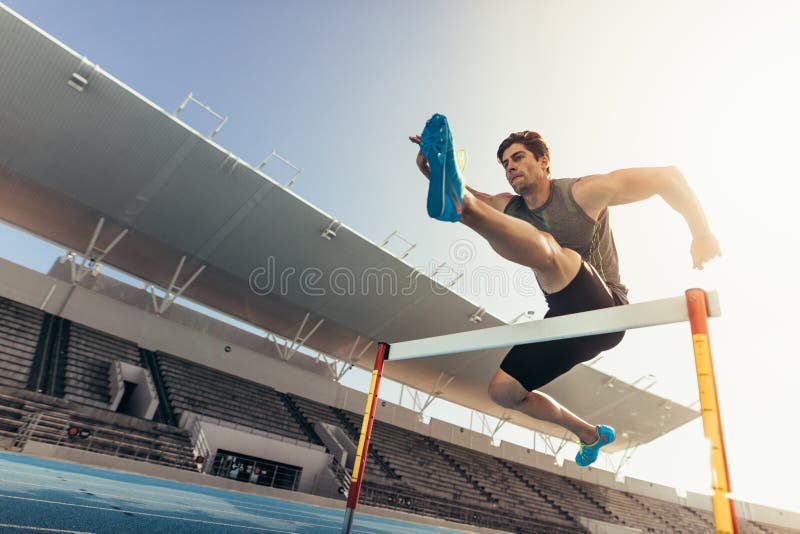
<point>523,171</point>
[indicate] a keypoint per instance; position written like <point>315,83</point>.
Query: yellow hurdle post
<point>363,441</point>
<point>724,512</point>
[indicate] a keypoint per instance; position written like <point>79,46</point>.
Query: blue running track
<point>43,495</point>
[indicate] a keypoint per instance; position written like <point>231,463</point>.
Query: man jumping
<point>560,229</point>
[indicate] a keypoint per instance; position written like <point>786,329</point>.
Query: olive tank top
<point>571,227</point>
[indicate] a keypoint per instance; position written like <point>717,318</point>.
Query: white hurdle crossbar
<point>602,321</point>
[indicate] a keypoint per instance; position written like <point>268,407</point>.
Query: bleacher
<point>405,470</point>
<point>20,326</point>
<point>204,391</point>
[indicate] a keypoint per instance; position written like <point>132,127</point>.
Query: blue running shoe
<point>588,453</point>
<point>446,188</point>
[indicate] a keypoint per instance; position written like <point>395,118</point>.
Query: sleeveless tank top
<point>571,227</point>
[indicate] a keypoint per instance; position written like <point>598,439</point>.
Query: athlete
<point>560,229</point>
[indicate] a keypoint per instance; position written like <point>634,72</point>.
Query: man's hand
<point>422,163</point>
<point>704,248</point>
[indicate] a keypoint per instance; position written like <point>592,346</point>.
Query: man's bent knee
<point>564,266</point>
<point>506,391</point>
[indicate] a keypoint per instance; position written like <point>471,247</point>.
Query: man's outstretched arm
<point>595,193</point>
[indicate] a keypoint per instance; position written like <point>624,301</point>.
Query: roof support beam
<point>173,291</point>
<point>93,257</point>
<point>627,455</point>
<point>441,384</point>
<point>486,427</point>
<point>289,349</point>
<point>548,441</point>
<point>47,297</point>
<point>351,360</point>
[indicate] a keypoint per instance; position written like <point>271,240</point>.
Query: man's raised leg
<point>522,243</point>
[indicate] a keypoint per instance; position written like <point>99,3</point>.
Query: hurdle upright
<point>695,306</point>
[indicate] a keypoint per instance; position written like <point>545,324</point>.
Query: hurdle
<point>695,306</point>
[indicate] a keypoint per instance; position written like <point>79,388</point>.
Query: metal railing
<point>342,475</point>
<point>53,428</point>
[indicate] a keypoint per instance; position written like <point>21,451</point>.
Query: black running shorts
<point>536,364</point>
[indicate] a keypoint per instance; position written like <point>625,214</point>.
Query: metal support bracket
<point>396,234</point>
<point>439,268</point>
<point>274,154</point>
<point>80,78</point>
<point>477,316</point>
<point>190,98</point>
<point>330,231</point>
<point>93,257</point>
<point>415,273</point>
<point>234,162</point>
<point>291,347</point>
<point>526,315</point>
<point>173,291</point>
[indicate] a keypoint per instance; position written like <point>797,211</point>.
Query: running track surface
<point>43,495</point>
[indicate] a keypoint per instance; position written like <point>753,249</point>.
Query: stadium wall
<point>312,458</point>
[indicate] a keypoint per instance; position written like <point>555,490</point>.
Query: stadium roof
<point>77,145</point>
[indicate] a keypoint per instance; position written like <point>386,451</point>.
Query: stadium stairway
<point>49,364</point>
<point>305,425</point>
<point>460,470</point>
<point>511,494</point>
<point>628,512</point>
<point>316,412</point>
<point>373,452</point>
<point>164,412</point>
<point>675,516</point>
<point>556,490</point>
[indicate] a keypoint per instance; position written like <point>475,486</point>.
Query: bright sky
<point>336,87</point>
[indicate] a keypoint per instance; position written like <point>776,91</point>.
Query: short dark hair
<point>532,140</point>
